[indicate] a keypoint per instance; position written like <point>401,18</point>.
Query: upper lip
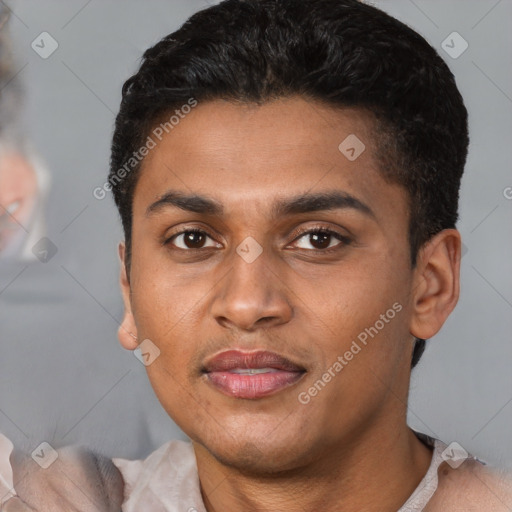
<point>231,359</point>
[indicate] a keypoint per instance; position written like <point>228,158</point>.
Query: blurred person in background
<point>24,181</point>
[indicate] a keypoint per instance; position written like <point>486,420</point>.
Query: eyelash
<point>311,231</point>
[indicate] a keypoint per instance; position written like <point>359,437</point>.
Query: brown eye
<point>321,240</point>
<point>194,240</point>
<point>191,239</point>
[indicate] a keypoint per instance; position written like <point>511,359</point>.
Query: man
<point>287,175</point>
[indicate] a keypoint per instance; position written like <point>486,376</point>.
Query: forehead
<point>247,155</point>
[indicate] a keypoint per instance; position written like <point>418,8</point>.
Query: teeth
<point>252,371</point>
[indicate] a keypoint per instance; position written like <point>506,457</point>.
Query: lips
<point>251,375</point>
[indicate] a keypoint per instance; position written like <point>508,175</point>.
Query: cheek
<point>351,300</point>
<point>167,314</point>
<point>362,316</point>
<point>160,298</point>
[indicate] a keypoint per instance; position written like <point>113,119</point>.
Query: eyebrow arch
<point>190,203</point>
<point>302,203</point>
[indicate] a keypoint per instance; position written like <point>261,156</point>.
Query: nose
<point>252,295</point>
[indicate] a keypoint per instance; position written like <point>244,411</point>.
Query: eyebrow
<point>302,203</point>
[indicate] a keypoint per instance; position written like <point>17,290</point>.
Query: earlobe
<point>436,283</point>
<point>127,332</point>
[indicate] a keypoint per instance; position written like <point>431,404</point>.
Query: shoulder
<point>41,484</point>
<point>472,487</point>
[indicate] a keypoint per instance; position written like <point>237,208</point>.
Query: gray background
<point>63,376</point>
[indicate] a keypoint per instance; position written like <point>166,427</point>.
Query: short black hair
<point>343,53</point>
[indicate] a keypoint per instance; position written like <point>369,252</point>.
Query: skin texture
<point>349,448</point>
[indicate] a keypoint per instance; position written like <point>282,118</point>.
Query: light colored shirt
<point>167,481</point>
<point>147,482</point>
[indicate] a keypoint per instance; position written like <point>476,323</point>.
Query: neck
<point>375,471</point>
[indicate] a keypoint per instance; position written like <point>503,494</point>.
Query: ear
<point>436,283</point>
<point>127,332</point>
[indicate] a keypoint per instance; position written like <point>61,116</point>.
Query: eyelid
<point>343,239</point>
<point>168,239</point>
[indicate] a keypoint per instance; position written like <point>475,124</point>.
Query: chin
<point>252,459</point>
<point>257,451</point>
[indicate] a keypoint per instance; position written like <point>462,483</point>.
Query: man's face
<point>254,280</point>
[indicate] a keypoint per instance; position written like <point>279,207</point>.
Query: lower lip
<point>252,386</point>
